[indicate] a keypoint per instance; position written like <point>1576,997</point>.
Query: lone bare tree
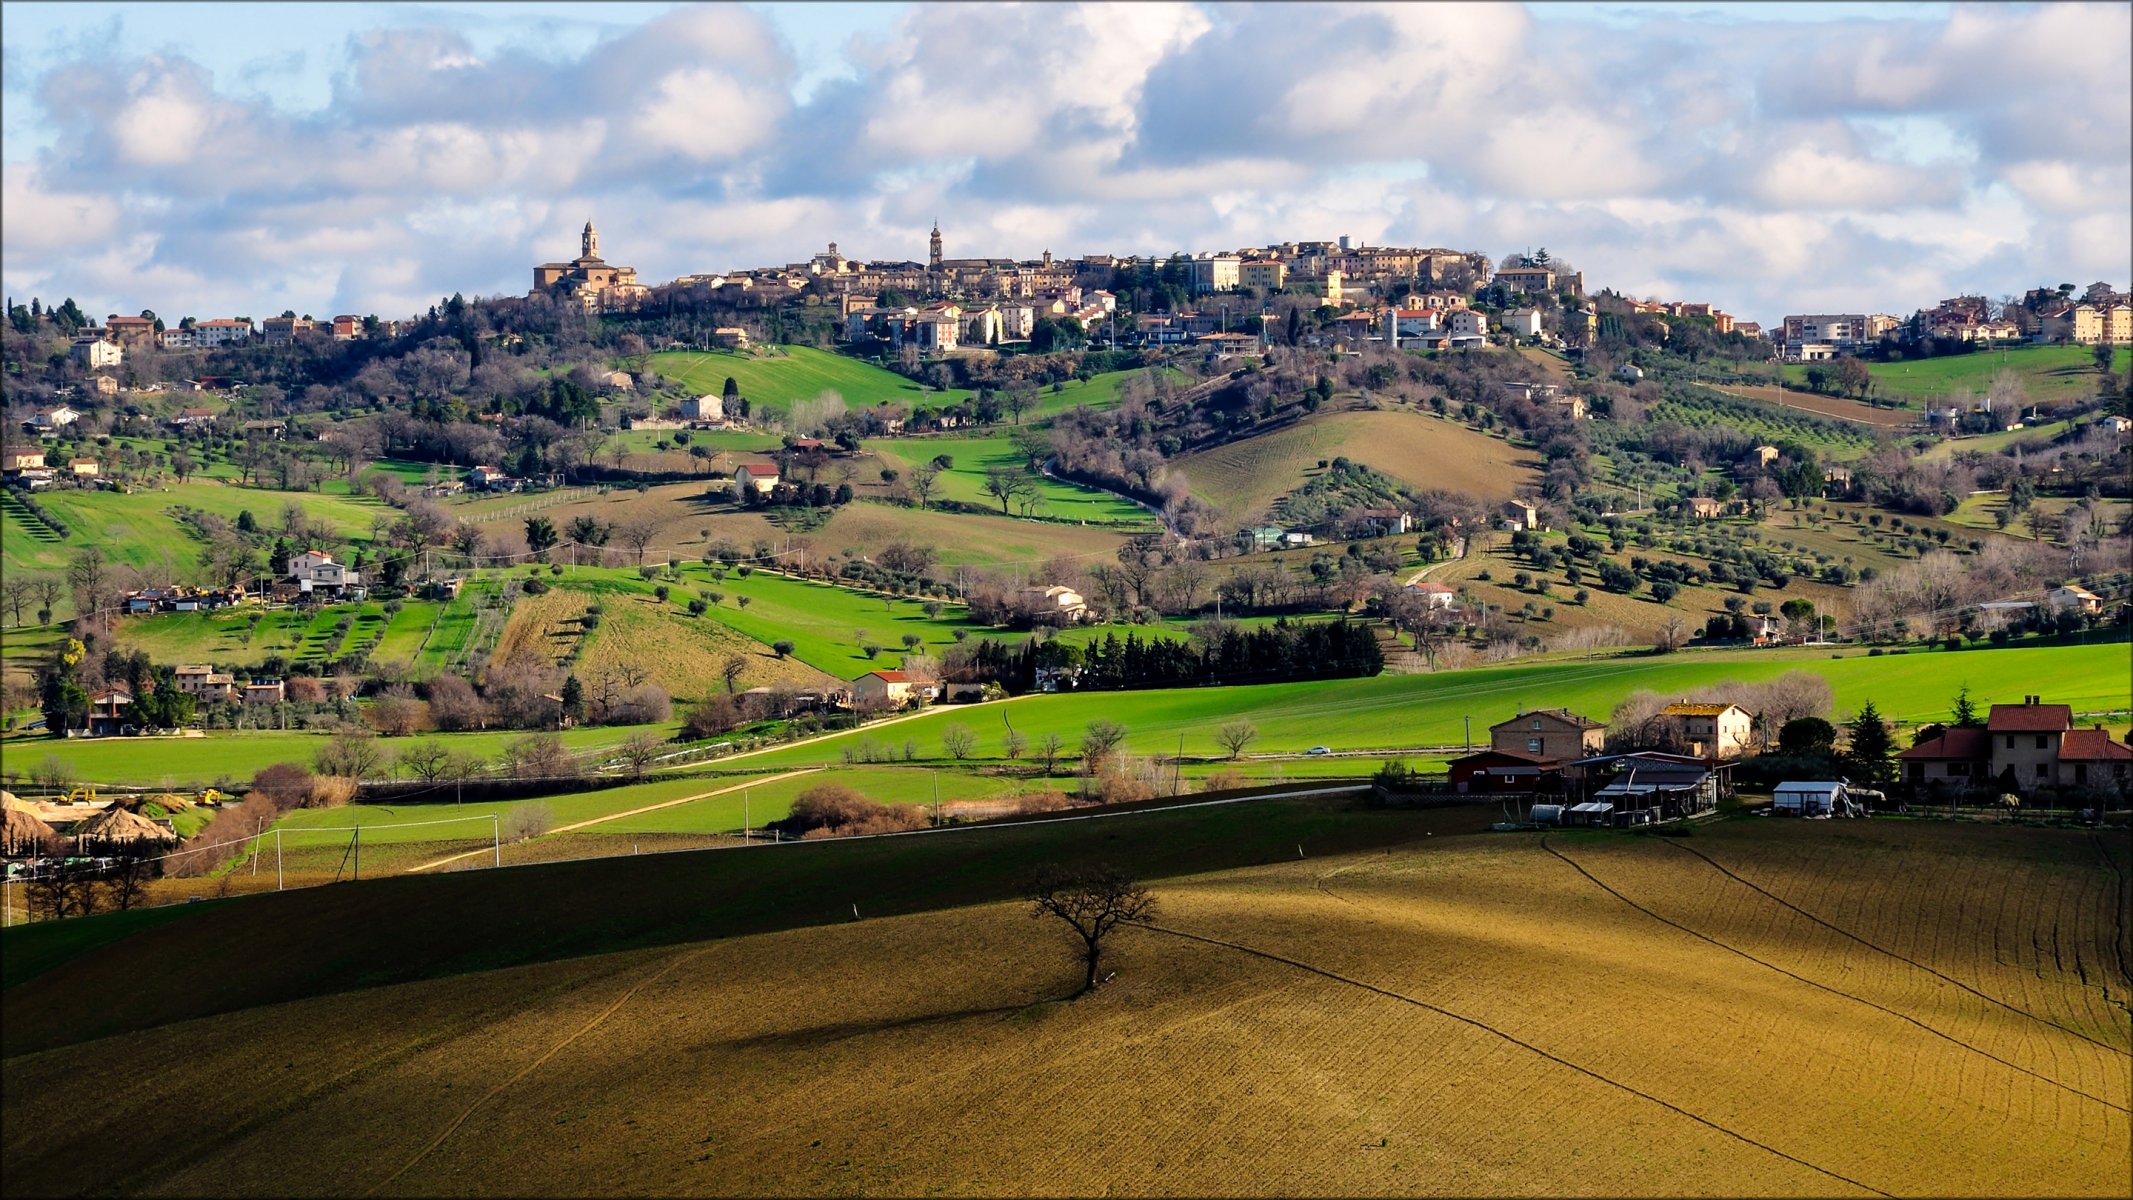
<point>1236,735</point>
<point>1093,901</point>
<point>732,669</point>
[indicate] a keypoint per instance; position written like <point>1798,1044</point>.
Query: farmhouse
<point>1704,508</point>
<point>760,477</point>
<point>316,570</point>
<point>203,681</point>
<point>1711,731</point>
<point>2022,746</point>
<point>1055,603</point>
<point>1498,771</point>
<point>702,408</point>
<point>1554,734</point>
<point>107,712</point>
<point>13,461</point>
<point>2076,597</point>
<point>265,691</point>
<point>893,688</point>
<point>1435,595</point>
<point>1521,514</point>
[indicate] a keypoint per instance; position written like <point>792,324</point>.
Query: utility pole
<point>277,859</point>
<point>744,813</point>
<point>1469,719</point>
<point>496,838</point>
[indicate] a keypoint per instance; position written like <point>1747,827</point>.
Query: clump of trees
<point>829,810</point>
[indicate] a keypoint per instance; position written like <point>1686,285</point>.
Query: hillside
<point>1244,478</point>
<point>1387,1015</point>
<point>2045,373</point>
<point>137,529</point>
<point>791,373</point>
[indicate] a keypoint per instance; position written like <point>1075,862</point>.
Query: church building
<point>590,280</point>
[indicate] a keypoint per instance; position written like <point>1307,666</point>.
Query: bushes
<point>834,810</point>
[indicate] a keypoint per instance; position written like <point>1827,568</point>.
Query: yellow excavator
<point>82,795</point>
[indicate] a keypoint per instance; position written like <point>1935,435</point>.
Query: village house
<point>18,459</point>
<point>280,331</point>
<point>1712,732</point>
<point>1521,515</point>
<point>2031,744</point>
<point>892,688</point>
<point>202,681</point>
<point>347,327</point>
<point>707,407</point>
<point>1705,508</point>
<point>83,468</point>
<point>132,333</point>
<point>108,715</point>
<point>760,477</point>
<point>1435,596</point>
<point>52,420</point>
<point>318,571</point>
<point>1549,733</point>
<point>2075,597</point>
<point>730,337</point>
<point>94,352</point>
<point>1522,322</point>
<point>105,385</point>
<point>1055,604</point>
<point>265,691</point>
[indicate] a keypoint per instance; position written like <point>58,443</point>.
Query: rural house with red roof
<point>2030,744</point>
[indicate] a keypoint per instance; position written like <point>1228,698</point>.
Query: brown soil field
<point>1763,1008</point>
<point>1827,406</point>
<point>680,511</point>
<point>1418,449</point>
<point>962,537</point>
<point>678,652</point>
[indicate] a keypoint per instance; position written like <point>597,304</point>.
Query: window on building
<point>2042,741</point>
<point>2010,741</point>
<point>1959,768</point>
<point>1536,723</point>
<point>1533,745</point>
<point>2040,769</point>
<point>2081,772</point>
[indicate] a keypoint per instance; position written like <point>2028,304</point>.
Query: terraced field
<point>1244,478</point>
<point>972,456</point>
<point>1384,1016</point>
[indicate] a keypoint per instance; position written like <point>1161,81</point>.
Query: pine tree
<point>1871,757</point>
<point>1966,712</point>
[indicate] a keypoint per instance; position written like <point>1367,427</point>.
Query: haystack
<point>115,826</point>
<point>25,830</point>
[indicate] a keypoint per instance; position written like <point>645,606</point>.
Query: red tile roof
<point>2092,745</point>
<point>1961,744</point>
<point>2030,718</point>
<point>890,676</point>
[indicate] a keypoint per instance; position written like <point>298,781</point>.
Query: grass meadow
<point>1383,1015</point>
<point>2046,373</point>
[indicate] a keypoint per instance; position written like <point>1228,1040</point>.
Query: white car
<point>1318,750</point>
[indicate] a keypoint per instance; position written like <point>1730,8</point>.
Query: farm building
<point>1498,771</point>
<point>1676,785</point>
<point>108,713</point>
<point>1821,798</point>
<point>1711,731</point>
<point>1551,733</point>
<point>2024,745</point>
<point>879,687</point>
<point>759,476</point>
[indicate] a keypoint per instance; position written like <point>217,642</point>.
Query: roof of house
<point>758,468</point>
<point>2092,745</point>
<point>890,676</point>
<point>1960,743</point>
<point>1434,589</point>
<point>2030,718</point>
<point>2075,589</point>
<point>1564,715</point>
<point>1483,757</point>
<point>1698,710</point>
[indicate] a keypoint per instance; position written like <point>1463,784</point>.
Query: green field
<point>199,761</point>
<point>820,619</point>
<point>795,373</point>
<point>2046,372</point>
<point>973,455</point>
<point>1429,710</point>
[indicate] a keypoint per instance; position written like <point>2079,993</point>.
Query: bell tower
<point>933,249</point>
<point>589,241</point>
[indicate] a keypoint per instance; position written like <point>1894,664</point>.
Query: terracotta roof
<point>889,676</point>
<point>2092,745</point>
<point>1696,710</point>
<point>1564,715</point>
<point>758,468</point>
<point>1954,744</point>
<point>2030,718</point>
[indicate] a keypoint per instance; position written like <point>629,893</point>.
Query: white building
<point>707,407</point>
<point>94,353</point>
<point>316,570</point>
<point>1522,322</point>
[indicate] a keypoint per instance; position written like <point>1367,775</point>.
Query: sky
<point>240,159</point>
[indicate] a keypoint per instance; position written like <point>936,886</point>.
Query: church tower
<point>933,257</point>
<point>589,242</point>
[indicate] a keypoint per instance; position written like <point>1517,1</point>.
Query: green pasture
<point>199,761</point>
<point>136,529</point>
<point>2033,437</point>
<point>444,821</point>
<point>1430,710</point>
<point>795,373</point>
<point>820,619</point>
<point>2046,372</point>
<point>973,455</point>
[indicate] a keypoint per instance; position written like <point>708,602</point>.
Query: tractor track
<point>1516,1041</point>
<point>1795,976</point>
<point>1937,974</point>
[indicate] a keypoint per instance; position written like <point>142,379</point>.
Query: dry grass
<point>678,652</point>
<point>1478,1017</point>
<point>1424,451</point>
<point>1824,406</point>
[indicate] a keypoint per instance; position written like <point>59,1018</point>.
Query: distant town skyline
<point>201,161</point>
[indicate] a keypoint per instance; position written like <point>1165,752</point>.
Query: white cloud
<point>1758,165</point>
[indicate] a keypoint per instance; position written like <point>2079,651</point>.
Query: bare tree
<point>15,595</point>
<point>1099,740</point>
<point>426,760</point>
<point>130,872</point>
<point>732,669</point>
<point>1234,736</point>
<point>353,754</point>
<point>921,482</point>
<point>1049,746</point>
<point>637,535</point>
<point>958,741</point>
<point>1093,901</point>
<point>640,752</point>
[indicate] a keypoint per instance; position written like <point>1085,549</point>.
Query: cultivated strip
<point>1490,1029</point>
<point>1574,865</point>
<point>1715,865</point>
<point>528,1069</point>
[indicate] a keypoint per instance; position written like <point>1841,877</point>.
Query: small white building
<point>316,570</point>
<point>2074,596</point>
<point>1522,322</point>
<point>702,408</point>
<point>1824,798</point>
<point>759,476</point>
